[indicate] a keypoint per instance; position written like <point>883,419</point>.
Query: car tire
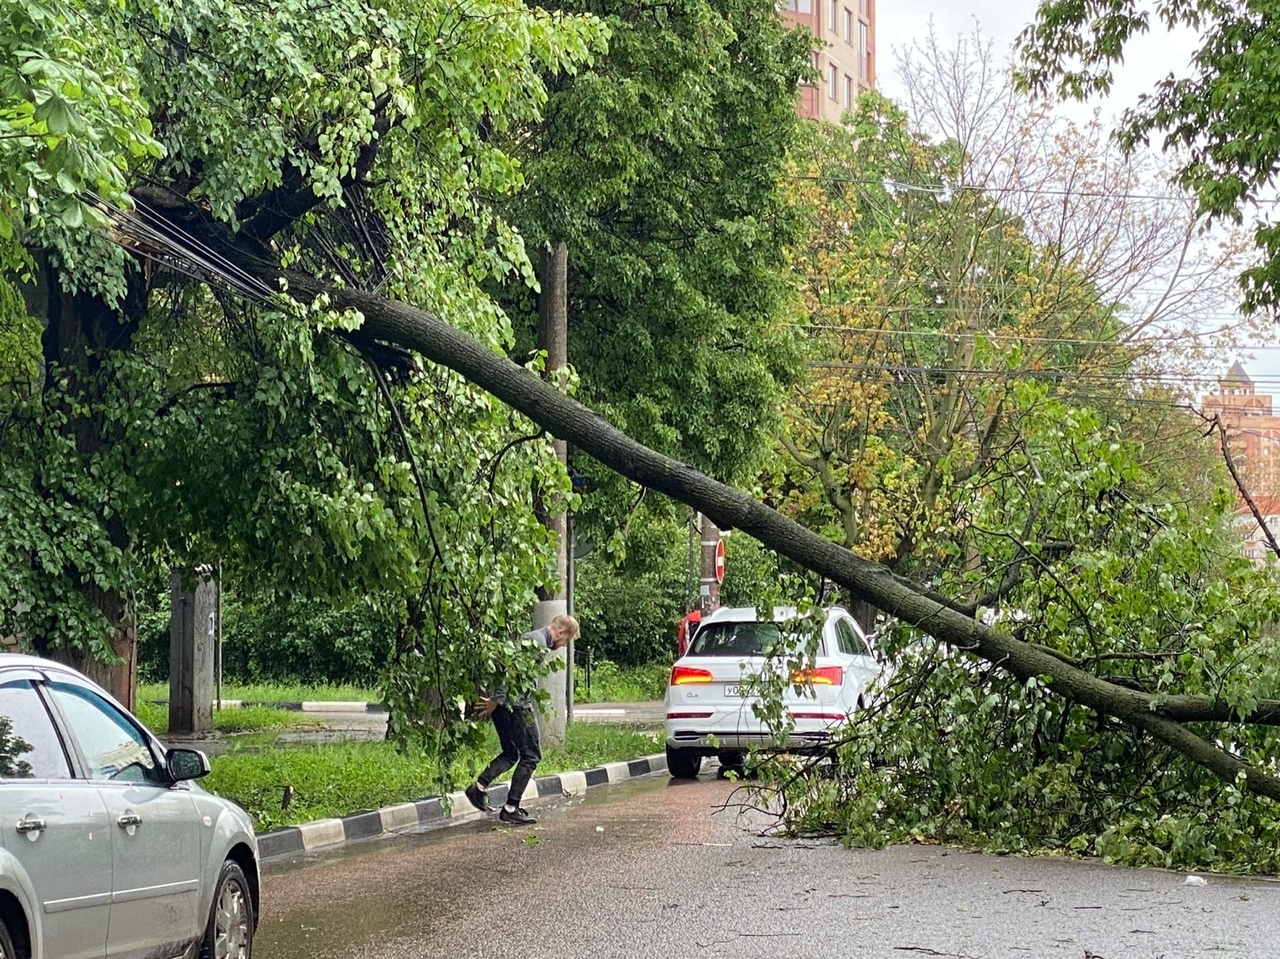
<point>7,950</point>
<point>683,763</point>
<point>230,917</point>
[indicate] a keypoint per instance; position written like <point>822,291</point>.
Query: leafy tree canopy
<point>659,167</point>
<point>166,407</point>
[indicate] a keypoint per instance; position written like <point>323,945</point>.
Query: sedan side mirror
<point>186,764</point>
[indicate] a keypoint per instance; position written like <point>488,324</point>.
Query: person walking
<point>517,726</point>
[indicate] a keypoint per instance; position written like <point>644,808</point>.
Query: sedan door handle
<point>31,825</point>
<point>129,819</point>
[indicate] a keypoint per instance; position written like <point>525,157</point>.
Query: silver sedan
<point>107,847</point>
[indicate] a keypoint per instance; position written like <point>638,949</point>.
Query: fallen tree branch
<point>405,326</point>
<point>569,420</point>
<point>1224,443</point>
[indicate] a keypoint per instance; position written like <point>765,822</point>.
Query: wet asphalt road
<point>653,868</point>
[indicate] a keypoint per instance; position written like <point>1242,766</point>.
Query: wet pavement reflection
<point>655,868</point>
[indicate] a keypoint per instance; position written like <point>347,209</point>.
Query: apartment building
<point>1253,430</point>
<point>845,59</point>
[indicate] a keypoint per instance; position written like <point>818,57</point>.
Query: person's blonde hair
<point>568,623</point>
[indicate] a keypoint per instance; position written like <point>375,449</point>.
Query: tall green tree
<point>334,299</point>
<point>659,167</point>
<point>165,409</point>
<point>955,250</point>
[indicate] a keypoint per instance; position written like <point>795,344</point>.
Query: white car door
<point>55,828</point>
<point>155,830</point>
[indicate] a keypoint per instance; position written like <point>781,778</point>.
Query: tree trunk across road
<point>658,868</point>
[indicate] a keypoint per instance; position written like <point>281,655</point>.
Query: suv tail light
<point>822,676</point>
<point>680,675</point>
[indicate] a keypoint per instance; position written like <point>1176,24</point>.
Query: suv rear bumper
<point>807,736</point>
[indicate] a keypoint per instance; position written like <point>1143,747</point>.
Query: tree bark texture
<point>80,331</point>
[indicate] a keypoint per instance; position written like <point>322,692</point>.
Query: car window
<point>735,639</point>
<point>29,744</point>
<point>112,745</point>
<point>850,642</point>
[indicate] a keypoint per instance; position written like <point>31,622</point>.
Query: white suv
<point>106,846</point>
<point>714,685</point>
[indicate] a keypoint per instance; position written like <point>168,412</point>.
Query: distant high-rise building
<point>845,59</point>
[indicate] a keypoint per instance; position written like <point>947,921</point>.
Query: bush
<point>272,639</point>
<point>613,684</point>
<point>629,616</point>
<point>307,642</point>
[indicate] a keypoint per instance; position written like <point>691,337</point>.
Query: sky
<point>899,23</point>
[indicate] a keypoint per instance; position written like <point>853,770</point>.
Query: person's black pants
<point>518,732</point>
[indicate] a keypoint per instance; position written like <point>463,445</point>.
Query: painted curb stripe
<point>362,825</point>
<point>427,814</point>
<point>280,842</point>
<point>400,816</point>
<point>617,772</point>
<point>575,783</point>
<point>310,706</point>
<point>548,786</point>
<point>322,832</point>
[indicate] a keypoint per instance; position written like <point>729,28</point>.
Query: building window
<point>796,6</point>
<point>834,9</point>
<point>848,92</point>
<point>863,10</point>
<point>833,79</point>
<point>848,25</point>
<point>864,55</point>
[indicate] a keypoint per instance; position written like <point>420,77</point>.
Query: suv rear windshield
<point>735,639</point>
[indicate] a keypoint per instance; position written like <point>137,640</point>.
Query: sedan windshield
<point>735,639</point>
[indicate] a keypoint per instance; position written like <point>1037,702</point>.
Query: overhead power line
<point>941,189</point>
<point>970,335</point>
<point>146,233</point>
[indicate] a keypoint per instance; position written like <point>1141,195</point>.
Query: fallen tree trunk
<point>397,323</point>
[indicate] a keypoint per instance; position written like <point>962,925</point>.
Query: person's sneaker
<point>517,818</point>
<point>478,798</point>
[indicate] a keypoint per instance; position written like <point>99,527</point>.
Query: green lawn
<point>273,693</point>
<point>237,720</point>
<point>621,684</point>
<point>329,780</point>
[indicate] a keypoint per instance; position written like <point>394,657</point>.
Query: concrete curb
<point>310,706</point>
<point>429,814</point>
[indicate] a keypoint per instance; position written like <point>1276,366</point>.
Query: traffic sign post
<point>712,564</point>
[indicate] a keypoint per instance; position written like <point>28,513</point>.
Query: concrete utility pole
<point>553,337</point>
<point>712,565</point>
<point>193,635</point>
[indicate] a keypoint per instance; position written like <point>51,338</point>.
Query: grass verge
<point>273,693</point>
<point>239,720</point>
<point>328,780</point>
<point>621,684</point>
